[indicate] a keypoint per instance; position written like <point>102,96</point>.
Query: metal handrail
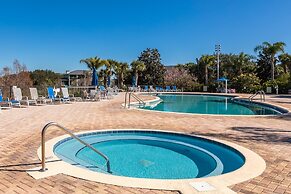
<point>140,101</point>
<point>262,95</point>
<point>43,168</point>
<point>138,98</point>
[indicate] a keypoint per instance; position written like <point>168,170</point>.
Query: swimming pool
<point>210,104</point>
<point>151,154</point>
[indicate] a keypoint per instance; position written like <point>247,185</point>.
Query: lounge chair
<point>152,89</point>
<point>110,93</point>
<point>103,92</point>
<point>39,99</point>
<point>67,97</point>
<point>168,89</point>
<point>5,104</point>
<point>94,95</point>
<point>174,88</point>
<point>17,93</point>
<point>51,95</point>
<point>115,90</point>
<point>146,88</point>
<point>159,89</point>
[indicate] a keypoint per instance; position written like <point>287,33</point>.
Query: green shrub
<point>283,83</point>
<point>246,83</point>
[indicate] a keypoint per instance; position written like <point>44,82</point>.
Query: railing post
<point>125,99</point>
<point>129,100</point>
<point>43,168</point>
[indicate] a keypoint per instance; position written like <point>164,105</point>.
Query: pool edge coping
<point>253,167</point>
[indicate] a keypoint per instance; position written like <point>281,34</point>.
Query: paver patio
<point>270,137</point>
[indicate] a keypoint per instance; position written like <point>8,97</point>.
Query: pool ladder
<point>131,94</point>
<point>43,168</point>
<point>261,93</point>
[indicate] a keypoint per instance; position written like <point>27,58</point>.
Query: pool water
<point>208,104</point>
<point>149,154</point>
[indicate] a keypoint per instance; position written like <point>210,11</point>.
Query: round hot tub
<point>151,154</point>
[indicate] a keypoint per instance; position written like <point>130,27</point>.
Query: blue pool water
<point>208,104</point>
<point>148,154</point>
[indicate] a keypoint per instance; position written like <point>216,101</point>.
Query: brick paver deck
<point>270,137</point>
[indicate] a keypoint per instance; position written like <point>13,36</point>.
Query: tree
<point>181,78</point>
<point>18,67</point>
<point>234,65</point>
<point>154,69</point>
<point>120,69</point>
<point>285,60</point>
<point>246,83</point>
<point>109,68</point>
<point>45,78</point>
<point>204,62</point>
<point>6,71</point>
<point>270,50</point>
<point>94,62</point>
<point>137,67</point>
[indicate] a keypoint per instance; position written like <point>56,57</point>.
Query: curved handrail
<point>43,168</point>
<point>140,101</point>
<point>262,95</point>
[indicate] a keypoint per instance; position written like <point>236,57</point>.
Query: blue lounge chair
<point>146,88</point>
<point>103,92</point>
<point>174,88</point>
<point>5,104</point>
<point>51,94</point>
<point>168,89</point>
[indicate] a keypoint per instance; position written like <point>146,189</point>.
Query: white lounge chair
<point>94,95</point>
<point>39,99</point>
<point>22,99</point>
<point>68,97</point>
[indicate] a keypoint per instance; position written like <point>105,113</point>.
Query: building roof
<point>78,72</point>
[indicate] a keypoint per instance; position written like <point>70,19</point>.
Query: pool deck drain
<point>202,186</point>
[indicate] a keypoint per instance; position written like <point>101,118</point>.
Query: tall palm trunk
<point>136,78</point>
<point>206,74</point>
<point>273,68</point>
<point>121,80</point>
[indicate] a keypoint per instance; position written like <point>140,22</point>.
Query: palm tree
<point>108,71</point>
<point>243,61</point>
<point>137,67</point>
<point>206,61</point>
<point>120,69</point>
<point>271,50</point>
<point>285,60</point>
<point>94,62</point>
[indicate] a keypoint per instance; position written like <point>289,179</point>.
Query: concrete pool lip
<point>282,110</point>
<point>253,167</point>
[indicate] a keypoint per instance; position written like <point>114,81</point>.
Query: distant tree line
<point>246,73</point>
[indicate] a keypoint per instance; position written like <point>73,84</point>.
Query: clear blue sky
<point>56,34</point>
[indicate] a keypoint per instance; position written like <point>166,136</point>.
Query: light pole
<point>217,50</point>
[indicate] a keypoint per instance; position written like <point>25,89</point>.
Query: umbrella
<point>94,78</point>
<point>108,81</point>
